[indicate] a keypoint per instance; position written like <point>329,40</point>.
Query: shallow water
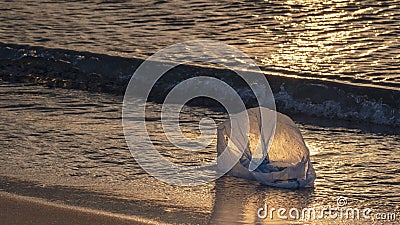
<point>355,41</point>
<point>70,145</point>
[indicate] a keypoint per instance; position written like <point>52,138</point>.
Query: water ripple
<point>354,41</point>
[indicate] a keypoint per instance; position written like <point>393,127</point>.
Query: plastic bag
<point>273,155</point>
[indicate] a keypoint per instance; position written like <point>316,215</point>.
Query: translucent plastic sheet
<point>279,159</point>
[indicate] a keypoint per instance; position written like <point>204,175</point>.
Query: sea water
<point>346,41</point>
<point>68,146</point>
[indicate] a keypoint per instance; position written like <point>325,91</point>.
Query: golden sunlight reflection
<point>326,38</point>
<point>315,147</point>
<point>319,42</point>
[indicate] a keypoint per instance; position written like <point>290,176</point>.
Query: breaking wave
<point>111,74</point>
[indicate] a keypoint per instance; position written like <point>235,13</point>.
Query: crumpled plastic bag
<point>275,157</point>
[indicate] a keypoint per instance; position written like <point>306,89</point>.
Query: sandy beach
<point>22,210</point>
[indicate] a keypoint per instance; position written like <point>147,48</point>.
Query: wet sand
<point>22,210</point>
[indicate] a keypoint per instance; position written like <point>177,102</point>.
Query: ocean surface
<point>354,41</point>
<point>333,66</point>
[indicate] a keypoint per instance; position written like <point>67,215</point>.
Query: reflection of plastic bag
<point>283,161</point>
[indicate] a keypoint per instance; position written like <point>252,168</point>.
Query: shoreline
<point>95,170</point>
<point>18,209</point>
<point>89,201</point>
